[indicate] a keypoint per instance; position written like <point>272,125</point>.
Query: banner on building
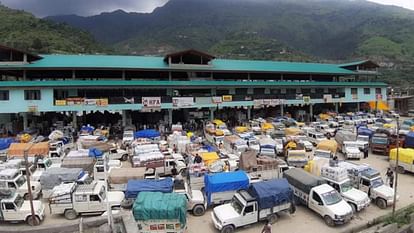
<point>267,102</point>
<point>227,98</point>
<point>102,102</point>
<point>151,102</point>
<point>60,102</point>
<point>90,101</point>
<point>327,98</point>
<point>74,101</point>
<point>306,99</point>
<point>182,101</point>
<point>217,99</point>
<point>257,103</point>
<point>129,100</point>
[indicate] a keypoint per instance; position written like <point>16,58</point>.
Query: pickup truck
<point>369,180</point>
<point>323,153</point>
<point>99,170</point>
<point>127,137</point>
<point>13,179</point>
<point>72,199</point>
<point>14,208</point>
<point>262,201</point>
<point>351,150</point>
<point>117,154</point>
<point>297,158</point>
<point>165,166</point>
<point>379,143</point>
<point>318,196</point>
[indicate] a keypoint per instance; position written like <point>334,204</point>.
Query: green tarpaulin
<point>157,205</point>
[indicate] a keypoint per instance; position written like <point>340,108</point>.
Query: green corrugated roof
<point>144,62</point>
<point>356,63</point>
<point>121,83</point>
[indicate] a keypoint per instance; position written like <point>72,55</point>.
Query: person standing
<point>267,228</point>
<point>390,177</point>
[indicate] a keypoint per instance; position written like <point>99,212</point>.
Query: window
<point>316,197</point>
<point>365,182</point>
<point>354,91</point>
<point>367,91</point>
<point>4,95</point>
<point>378,91</point>
<point>248,209</point>
<point>94,198</point>
<point>9,206</point>
<point>11,185</point>
<point>32,94</point>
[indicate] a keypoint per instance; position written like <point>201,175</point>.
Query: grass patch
<point>401,218</point>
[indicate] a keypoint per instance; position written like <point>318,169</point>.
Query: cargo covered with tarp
<point>302,180</point>
<point>365,131</point>
<point>315,166</point>
<point>37,149</point>
<point>406,155</point>
<point>293,131</point>
<point>55,176</point>
<point>209,157</point>
<point>329,145</point>
<point>248,160</point>
<point>134,187</point>
<point>225,181</point>
<point>147,133</point>
<point>86,163</point>
<point>152,206</point>
<point>100,145</point>
<point>122,175</point>
<point>5,143</point>
<point>271,193</point>
<point>409,140</point>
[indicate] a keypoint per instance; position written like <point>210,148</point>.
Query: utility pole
<point>396,167</point>
<point>108,208</point>
<point>33,217</point>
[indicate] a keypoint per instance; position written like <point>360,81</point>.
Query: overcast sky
<point>44,8</point>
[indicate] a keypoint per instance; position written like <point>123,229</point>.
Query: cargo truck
<point>369,180</point>
<point>313,192</point>
<point>263,200</point>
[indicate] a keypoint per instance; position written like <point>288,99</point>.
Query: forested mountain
<point>22,30</point>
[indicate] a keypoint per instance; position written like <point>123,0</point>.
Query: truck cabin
<point>341,187</point>
<point>92,192</point>
<point>244,203</point>
<point>43,164</point>
<point>11,202</point>
<point>326,195</point>
<point>11,179</point>
<point>323,154</point>
<point>351,144</point>
<point>379,139</point>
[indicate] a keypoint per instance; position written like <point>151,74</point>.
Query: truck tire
<point>381,203</point>
<point>199,210</point>
<point>292,208</point>
<point>400,170</point>
<point>354,207</point>
<point>272,218</point>
<point>329,221</point>
<point>70,214</point>
<point>124,157</point>
<point>127,203</point>
<point>228,229</point>
<point>26,196</point>
<point>33,221</point>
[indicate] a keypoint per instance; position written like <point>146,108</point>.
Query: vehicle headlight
<point>338,216</point>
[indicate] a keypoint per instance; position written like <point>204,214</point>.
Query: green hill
<point>22,30</point>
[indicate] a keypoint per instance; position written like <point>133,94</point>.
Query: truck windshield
<point>20,181</point>
<point>377,182</point>
<point>363,139</point>
<point>331,198</point>
<point>253,143</point>
<point>379,140</point>
<point>236,205</point>
<point>345,187</point>
<point>19,201</point>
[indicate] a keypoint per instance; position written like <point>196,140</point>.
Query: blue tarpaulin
<point>5,143</point>
<point>365,131</point>
<point>93,152</point>
<point>134,187</point>
<point>271,193</point>
<point>88,129</point>
<point>208,148</point>
<point>225,181</point>
<point>409,140</point>
<point>147,133</point>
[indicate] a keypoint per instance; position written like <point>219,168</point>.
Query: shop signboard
<point>102,102</point>
<point>306,99</point>
<point>151,102</point>
<point>327,98</point>
<point>216,99</point>
<point>227,98</point>
<point>74,101</point>
<point>60,102</point>
<point>182,101</point>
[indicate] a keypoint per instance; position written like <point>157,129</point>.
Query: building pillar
<point>211,114</point>
<point>170,116</point>
<point>282,110</point>
<point>25,120</point>
<point>358,106</point>
<point>124,118</point>
<point>249,113</point>
<point>337,107</point>
<point>311,112</point>
<point>74,120</point>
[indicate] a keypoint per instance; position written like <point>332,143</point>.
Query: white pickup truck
<point>351,150</point>
<point>13,208</point>
<point>117,154</point>
<point>318,196</point>
<point>72,199</point>
<point>12,179</point>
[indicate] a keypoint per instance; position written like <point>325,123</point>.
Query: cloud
<point>403,3</point>
<point>42,8</point>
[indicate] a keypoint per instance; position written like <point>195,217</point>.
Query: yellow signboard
<point>60,102</point>
<point>227,98</point>
<point>102,102</point>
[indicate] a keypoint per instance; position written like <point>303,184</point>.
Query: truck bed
<point>264,213</point>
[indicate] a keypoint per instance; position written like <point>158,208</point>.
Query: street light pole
<point>108,208</point>
<point>29,188</point>
<point>396,167</point>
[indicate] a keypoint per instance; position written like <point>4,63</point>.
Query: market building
<point>178,86</point>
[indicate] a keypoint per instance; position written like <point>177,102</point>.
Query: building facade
<point>179,85</point>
